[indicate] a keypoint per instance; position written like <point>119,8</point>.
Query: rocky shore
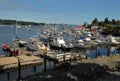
<point>98,69</point>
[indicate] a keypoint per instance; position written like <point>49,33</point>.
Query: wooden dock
<point>61,57</point>
<point>10,63</point>
<point>27,59</point>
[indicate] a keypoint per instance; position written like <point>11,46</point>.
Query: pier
<point>61,57</point>
<point>11,63</point>
<point>26,59</point>
<point>8,64</point>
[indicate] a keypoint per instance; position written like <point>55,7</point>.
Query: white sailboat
<point>17,40</point>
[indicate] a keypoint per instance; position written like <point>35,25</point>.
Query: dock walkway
<point>8,63</point>
<point>60,57</point>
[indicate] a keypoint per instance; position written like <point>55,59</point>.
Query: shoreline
<point>98,69</point>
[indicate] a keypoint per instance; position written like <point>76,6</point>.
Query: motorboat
<point>31,44</point>
<point>111,41</point>
<point>58,43</point>
<point>34,45</point>
<point>79,44</point>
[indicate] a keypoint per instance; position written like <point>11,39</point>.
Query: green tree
<point>113,21</point>
<point>95,22</point>
<point>106,20</point>
<point>85,24</point>
<point>118,22</point>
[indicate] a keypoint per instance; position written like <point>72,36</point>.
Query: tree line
<point>13,22</point>
<point>109,26</point>
<point>106,22</point>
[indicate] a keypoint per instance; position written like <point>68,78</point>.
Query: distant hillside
<point>13,22</point>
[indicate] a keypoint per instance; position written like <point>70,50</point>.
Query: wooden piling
<point>64,58</point>
<point>34,69</point>
<point>86,56</point>
<point>19,69</point>
<point>96,52</point>
<point>8,76</point>
<point>54,64</point>
<point>64,49</point>
<point>108,48</point>
<point>45,69</point>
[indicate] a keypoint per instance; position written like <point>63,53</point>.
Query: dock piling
<point>96,52</point>
<point>64,58</point>
<point>86,57</point>
<point>34,69</point>
<point>108,48</point>
<point>54,64</point>
<point>45,69</point>
<point>19,69</point>
<point>8,76</point>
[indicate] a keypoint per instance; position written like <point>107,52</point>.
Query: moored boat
<point>6,47</point>
<point>110,40</point>
<point>59,43</point>
<point>22,43</point>
<point>79,44</point>
<point>34,44</point>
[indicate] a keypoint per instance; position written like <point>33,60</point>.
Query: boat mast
<point>16,29</point>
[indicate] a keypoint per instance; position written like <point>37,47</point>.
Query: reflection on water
<point>25,72</point>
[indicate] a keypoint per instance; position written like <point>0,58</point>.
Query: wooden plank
<point>48,58</point>
<point>12,62</point>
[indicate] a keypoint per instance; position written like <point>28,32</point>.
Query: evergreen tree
<point>113,21</point>
<point>106,21</point>
<point>95,22</point>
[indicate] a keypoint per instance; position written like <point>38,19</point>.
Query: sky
<point>60,11</point>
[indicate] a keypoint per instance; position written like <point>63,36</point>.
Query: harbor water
<point>8,33</point>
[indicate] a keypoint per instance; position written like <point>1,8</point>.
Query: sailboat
<point>17,40</point>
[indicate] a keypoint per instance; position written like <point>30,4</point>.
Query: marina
<point>33,53</point>
<point>59,40</point>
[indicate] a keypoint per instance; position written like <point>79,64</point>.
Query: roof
<point>81,27</point>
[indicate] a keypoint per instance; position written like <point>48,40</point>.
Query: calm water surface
<point>7,34</point>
